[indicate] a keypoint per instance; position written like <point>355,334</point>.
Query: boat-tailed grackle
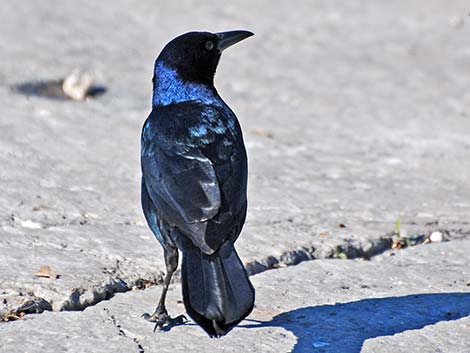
<point>194,180</point>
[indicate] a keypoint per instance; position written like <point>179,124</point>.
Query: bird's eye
<point>209,45</point>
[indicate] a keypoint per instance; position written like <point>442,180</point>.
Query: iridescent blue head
<point>186,66</point>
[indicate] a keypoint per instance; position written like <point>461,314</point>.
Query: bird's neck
<point>169,88</point>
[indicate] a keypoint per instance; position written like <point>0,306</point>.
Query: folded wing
<point>187,165</point>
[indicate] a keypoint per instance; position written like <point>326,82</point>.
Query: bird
<point>194,184</point>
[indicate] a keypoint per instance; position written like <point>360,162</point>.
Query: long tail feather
<point>216,290</point>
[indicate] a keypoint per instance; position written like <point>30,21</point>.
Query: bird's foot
<point>163,321</point>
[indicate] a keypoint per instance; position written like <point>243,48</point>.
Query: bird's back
<point>194,165</point>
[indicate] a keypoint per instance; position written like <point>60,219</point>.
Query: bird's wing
<point>181,148</point>
<point>186,183</point>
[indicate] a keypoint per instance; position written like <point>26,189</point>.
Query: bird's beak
<point>227,39</point>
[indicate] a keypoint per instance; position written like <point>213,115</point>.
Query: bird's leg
<point>160,316</point>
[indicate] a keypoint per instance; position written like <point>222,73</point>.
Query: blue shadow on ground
<point>343,328</point>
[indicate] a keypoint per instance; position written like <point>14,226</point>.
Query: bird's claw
<point>163,321</point>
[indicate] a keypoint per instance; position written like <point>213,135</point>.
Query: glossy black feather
<point>197,183</point>
<point>220,295</point>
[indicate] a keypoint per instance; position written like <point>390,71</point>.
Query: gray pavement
<point>415,301</point>
<point>355,115</point>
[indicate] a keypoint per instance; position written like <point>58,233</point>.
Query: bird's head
<point>194,56</point>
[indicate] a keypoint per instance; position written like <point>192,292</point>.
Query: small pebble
<point>77,85</point>
<point>436,237</point>
<point>31,225</point>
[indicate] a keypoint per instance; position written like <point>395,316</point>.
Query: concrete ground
<point>401,303</point>
<point>355,117</point>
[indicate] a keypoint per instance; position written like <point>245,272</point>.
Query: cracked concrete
<point>355,115</point>
<point>416,300</point>
<point>123,332</point>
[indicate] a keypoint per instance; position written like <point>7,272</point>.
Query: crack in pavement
<point>294,257</point>
<point>124,332</point>
<point>81,298</point>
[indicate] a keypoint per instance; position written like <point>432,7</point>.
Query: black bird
<point>194,179</point>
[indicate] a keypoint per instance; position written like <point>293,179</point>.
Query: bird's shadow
<point>343,328</point>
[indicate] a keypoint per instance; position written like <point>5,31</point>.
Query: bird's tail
<point>216,290</point>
